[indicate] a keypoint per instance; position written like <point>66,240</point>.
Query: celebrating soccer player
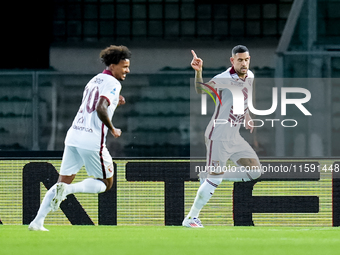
<point>85,140</point>
<point>223,141</point>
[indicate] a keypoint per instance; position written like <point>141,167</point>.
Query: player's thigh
<point>71,162</point>
<point>244,155</point>
<point>98,163</point>
<point>217,155</point>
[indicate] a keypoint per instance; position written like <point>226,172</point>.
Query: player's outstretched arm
<point>101,109</point>
<point>197,65</point>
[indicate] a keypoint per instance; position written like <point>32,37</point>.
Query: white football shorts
<point>97,164</point>
<point>218,152</point>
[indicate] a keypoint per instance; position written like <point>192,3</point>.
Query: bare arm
<point>101,109</point>
<point>249,122</point>
<point>197,65</point>
<point>248,119</point>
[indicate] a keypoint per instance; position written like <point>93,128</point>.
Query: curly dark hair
<point>114,54</point>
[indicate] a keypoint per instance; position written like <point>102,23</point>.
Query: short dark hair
<point>239,49</point>
<point>114,54</point>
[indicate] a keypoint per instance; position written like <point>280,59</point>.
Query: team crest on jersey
<point>215,163</point>
<point>113,91</point>
<point>110,168</point>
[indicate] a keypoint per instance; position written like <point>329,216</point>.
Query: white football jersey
<point>225,124</point>
<point>87,130</point>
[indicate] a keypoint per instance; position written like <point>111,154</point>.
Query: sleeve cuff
<point>106,99</point>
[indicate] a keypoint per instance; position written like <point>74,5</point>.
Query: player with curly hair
<point>85,142</point>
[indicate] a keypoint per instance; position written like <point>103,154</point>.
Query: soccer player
<point>224,142</point>
<point>85,140</point>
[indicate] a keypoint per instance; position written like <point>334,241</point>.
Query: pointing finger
<point>251,129</point>
<point>194,54</point>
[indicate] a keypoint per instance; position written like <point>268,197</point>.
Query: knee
<point>108,183</point>
<point>215,180</point>
<point>248,162</point>
<point>255,174</point>
<point>108,187</point>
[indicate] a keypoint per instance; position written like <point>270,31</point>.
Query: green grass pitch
<point>95,240</point>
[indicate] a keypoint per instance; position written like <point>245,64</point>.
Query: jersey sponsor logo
<point>235,83</point>
<point>79,128</point>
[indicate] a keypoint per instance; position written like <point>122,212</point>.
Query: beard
<point>242,70</point>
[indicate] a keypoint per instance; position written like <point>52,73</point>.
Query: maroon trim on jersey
<point>232,117</point>
<point>107,72</point>
<point>101,151</point>
<point>106,99</point>
<point>216,115</point>
<point>210,152</point>
<point>211,183</point>
<point>232,71</point>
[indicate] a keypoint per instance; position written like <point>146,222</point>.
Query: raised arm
<point>197,65</point>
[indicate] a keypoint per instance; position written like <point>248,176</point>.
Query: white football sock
<point>86,186</point>
<point>241,174</point>
<point>45,207</point>
<point>204,193</point>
